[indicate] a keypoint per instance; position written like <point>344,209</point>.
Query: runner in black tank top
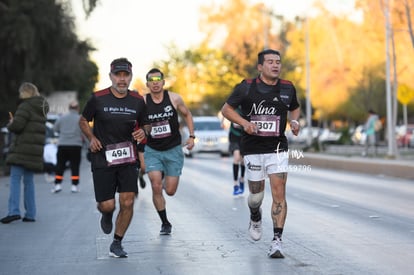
<point>164,158</point>
<point>163,116</point>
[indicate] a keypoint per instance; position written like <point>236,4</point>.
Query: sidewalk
<point>349,158</point>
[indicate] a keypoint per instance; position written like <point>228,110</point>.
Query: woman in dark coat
<point>25,155</point>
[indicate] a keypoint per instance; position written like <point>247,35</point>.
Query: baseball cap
<point>121,64</point>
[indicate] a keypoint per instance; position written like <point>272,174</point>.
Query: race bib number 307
<point>120,153</point>
<point>267,125</point>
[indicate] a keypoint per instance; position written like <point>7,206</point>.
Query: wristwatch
<point>192,136</point>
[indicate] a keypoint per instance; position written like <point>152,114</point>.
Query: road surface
<point>338,223</point>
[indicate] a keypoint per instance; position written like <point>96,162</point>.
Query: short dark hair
<point>152,71</point>
<point>260,56</point>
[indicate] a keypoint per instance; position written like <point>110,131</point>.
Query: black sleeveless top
<point>163,117</point>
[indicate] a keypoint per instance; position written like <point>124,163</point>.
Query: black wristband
<point>192,136</point>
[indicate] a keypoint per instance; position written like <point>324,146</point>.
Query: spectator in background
<point>26,151</point>
<point>69,147</point>
<point>371,132</point>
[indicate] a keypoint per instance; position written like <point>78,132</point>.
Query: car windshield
<point>207,125</point>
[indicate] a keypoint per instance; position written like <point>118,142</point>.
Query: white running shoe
<point>74,188</point>
<point>275,250</point>
<point>255,230</point>
<point>57,188</point>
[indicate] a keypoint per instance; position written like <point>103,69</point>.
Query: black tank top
<point>163,117</point>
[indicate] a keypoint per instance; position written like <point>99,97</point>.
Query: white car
<point>211,137</point>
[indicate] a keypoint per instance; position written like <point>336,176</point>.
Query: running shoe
<point>275,250</point>
<point>165,229</point>
<point>255,230</point>
<point>11,218</point>
<point>236,190</point>
<point>255,227</point>
<point>57,188</point>
<point>74,189</point>
<point>116,250</point>
<point>106,222</point>
<point>241,188</point>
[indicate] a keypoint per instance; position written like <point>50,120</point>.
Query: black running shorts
<point>108,181</point>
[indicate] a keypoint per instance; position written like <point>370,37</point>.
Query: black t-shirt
<point>114,119</point>
<point>163,117</point>
<point>267,106</point>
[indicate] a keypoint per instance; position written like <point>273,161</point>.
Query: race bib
<point>160,129</point>
<point>267,125</point>
<point>120,153</point>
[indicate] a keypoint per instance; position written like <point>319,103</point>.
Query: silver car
<point>211,137</point>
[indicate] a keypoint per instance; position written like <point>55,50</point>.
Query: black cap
<point>121,64</point>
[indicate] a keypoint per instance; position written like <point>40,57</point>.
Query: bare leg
<point>279,205</point>
<point>126,211</point>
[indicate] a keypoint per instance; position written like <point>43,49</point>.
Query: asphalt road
<point>338,223</point>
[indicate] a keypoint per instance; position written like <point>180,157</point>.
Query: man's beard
<point>121,90</point>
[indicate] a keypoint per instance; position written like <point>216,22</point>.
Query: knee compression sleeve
<point>255,200</point>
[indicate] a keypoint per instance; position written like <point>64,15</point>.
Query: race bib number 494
<point>120,153</point>
<point>267,125</point>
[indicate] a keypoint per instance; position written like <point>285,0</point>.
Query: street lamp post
<point>308,100</point>
<point>390,124</point>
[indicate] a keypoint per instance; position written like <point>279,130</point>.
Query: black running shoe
<point>11,218</point>
<point>117,251</point>
<point>106,222</point>
<point>165,229</point>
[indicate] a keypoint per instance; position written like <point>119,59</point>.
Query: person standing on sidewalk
<point>164,157</point>
<point>265,102</point>
<point>235,133</point>
<point>25,155</point>
<point>371,132</point>
<point>69,147</point>
<point>115,111</point>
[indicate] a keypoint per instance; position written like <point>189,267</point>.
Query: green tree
<point>203,76</point>
<point>38,44</point>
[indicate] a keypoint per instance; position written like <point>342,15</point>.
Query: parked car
<point>328,136</point>
<point>210,136</point>
<point>411,144</point>
<point>303,135</point>
<point>404,134</point>
<point>322,135</point>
